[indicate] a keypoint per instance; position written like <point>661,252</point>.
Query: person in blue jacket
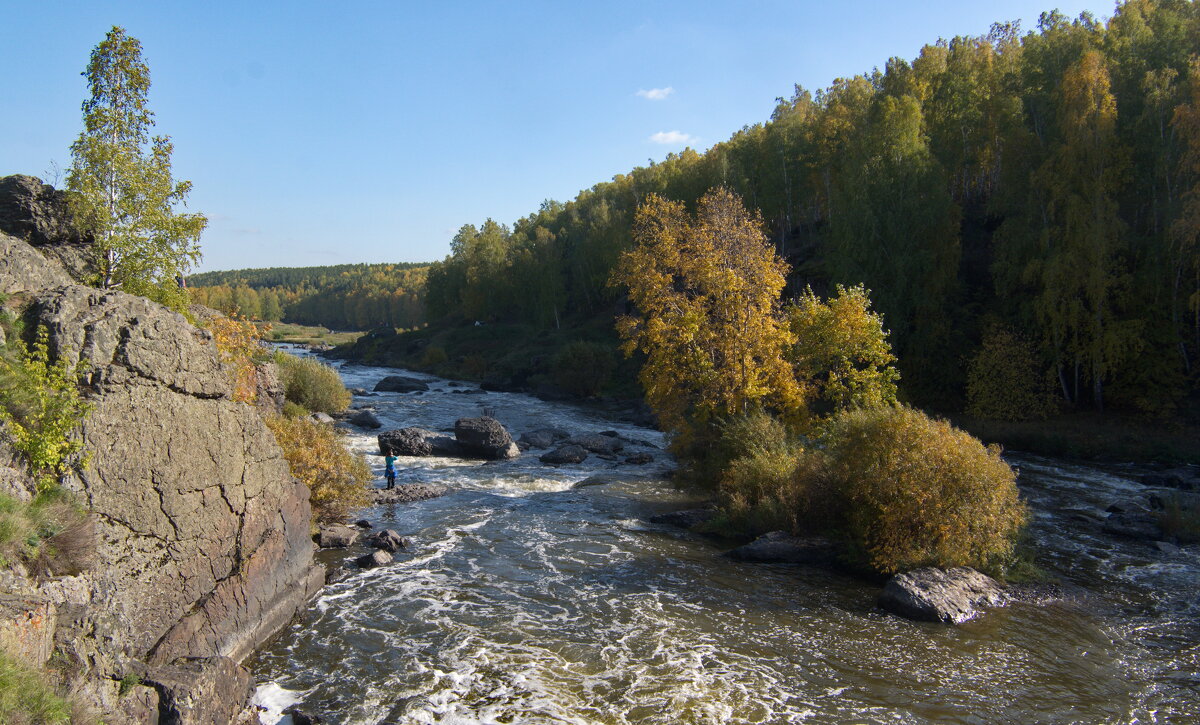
<point>390,470</point>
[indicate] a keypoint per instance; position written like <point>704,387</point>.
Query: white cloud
<point>673,137</point>
<point>656,94</point>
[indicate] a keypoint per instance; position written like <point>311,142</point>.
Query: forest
<point>342,297</point>
<point>1023,208</point>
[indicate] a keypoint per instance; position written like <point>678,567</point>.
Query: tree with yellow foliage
<point>707,291</point>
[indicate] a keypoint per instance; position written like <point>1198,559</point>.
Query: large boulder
<point>365,419</point>
<point>418,442</point>
<point>485,437</point>
<point>782,547</point>
<point>336,537</point>
<point>406,493</point>
<point>543,437</point>
<point>203,532</point>
<point>388,540</point>
<point>564,454</point>
<point>598,443</point>
<point>37,213</point>
<point>400,384</point>
<point>935,595</point>
<point>24,269</point>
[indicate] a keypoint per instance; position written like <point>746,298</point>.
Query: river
<point>522,599</point>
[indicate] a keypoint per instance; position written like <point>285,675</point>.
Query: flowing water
<point>523,599</point>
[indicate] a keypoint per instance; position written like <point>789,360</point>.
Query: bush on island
<point>312,384</point>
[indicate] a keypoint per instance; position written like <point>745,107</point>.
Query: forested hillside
<point>1029,195</point>
<point>342,297</point>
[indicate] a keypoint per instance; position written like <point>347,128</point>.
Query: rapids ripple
<point>523,600</point>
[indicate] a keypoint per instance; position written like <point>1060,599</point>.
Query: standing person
<point>390,470</point>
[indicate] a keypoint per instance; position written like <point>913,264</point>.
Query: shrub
<point>40,408</point>
<point>312,384</point>
<point>26,696</point>
<point>584,368</point>
<point>336,477</point>
<point>912,491</point>
<point>1005,380</point>
<point>239,348</point>
<point>433,356</point>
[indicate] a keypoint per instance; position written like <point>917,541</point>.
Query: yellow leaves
<point>335,476</point>
<point>239,348</point>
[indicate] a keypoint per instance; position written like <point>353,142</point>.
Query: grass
<point>48,531</point>
<point>1109,437</point>
<point>307,334</point>
<point>27,697</point>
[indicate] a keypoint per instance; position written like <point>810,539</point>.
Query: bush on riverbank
<point>761,483</point>
<point>336,477</point>
<point>913,491</point>
<point>312,384</point>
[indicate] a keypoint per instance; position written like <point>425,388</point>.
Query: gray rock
<point>1184,478</point>
<point>543,437</point>
<point>322,418</point>
<point>400,384</point>
<point>27,625</point>
<point>366,419</point>
<point>379,557</point>
<point>933,595</point>
<point>485,437</point>
<point>24,269</point>
<point>1166,548</point>
<point>639,459</point>
<point>200,690</point>
<point>685,519</point>
<point>418,442</point>
<point>782,547</point>
<point>388,540</point>
<point>336,537</point>
<point>300,717</point>
<point>269,390</point>
<point>565,454</point>
<point>597,443</point>
<point>1134,525</point>
<point>359,391</point>
<point>406,493</point>
<point>36,213</point>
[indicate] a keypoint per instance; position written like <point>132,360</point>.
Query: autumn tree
<point>1185,232</point>
<point>120,184</point>
<point>707,292</point>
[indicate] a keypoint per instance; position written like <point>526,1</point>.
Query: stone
<point>200,690</point>
<point>300,717</point>
<point>24,269</point>
<point>366,419</point>
<point>782,547</point>
<point>597,443</point>
<point>336,537</point>
<point>485,437</point>
<point>685,519</point>
<point>1184,478</point>
<point>400,384</point>
<point>1134,525</point>
<point>565,454</point>
<point>27,625</point>
<point>325,418</point>
<point>1166,548</point>
<point>376,558</point>
<point>363,524</point>
<point>359,391</point>
<point>934,595</point>
<point>36,213</point>
<point>269,389</point>
<point>639,459</point>
<point>406,493</point>
<point>543,437</point>
<point>418,442</point>
<point>388,540</point>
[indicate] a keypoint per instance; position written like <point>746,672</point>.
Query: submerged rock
<point>685,519</point>
<point>400,384</point>
<point>565,454</point>
<point>935,595</point>
<point>543,437</point>
<point>485,437</point>
<point>597,443</point>
<point>1134,525</point>
<point>782,547</point>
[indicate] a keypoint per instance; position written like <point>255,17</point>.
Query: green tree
<point>121,189</point>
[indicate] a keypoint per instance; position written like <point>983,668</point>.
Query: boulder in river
<point>379,557</point>
<point>597,443</point>
<point>565,454</point>
<point>334,537</point>
<point>543,437</point>
<point>936,595</point>
<point>418,442</point>
<point>401,384</point>
<point>1134,525</point>
<point>485,437</point>
<point>782,547</point>
<point>406,493</point>
<point>388,540</point>
<point>640,459</point>
<point>366,419</point>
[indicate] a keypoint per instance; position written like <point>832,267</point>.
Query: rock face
<point>934,595</point>
<point>485,437</point>
<point>23,269</point>
<point>400,384</point>
<point>782,547</point>
<point>36,213</point>
<point>417,442</point>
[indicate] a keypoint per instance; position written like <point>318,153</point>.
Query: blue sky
<point>324,133</point>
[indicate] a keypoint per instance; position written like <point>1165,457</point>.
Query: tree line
<point>1039,191</point>
<point>342,297</point>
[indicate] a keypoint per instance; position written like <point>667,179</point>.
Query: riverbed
<point>525,599</point>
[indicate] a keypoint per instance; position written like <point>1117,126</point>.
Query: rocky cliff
<point>202,535</point>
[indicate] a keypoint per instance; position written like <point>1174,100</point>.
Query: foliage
<point>27,697</point>
<point>341,297</point>
<point>707,293</point>
<point>913,491</point>
<point>433,356</point>
<point>336,477</point>
<point>841,350</point>
<point>121,190</point>
<point>40,408</point>
<point>583,368</point>
<point>1005,380</point>
<point>48,531</point>
<point>312,384</point>
<point>761,486</point>
<point>240,348</point>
